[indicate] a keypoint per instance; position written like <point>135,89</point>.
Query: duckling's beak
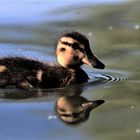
<point>92,104</point>
<point>92,61</point>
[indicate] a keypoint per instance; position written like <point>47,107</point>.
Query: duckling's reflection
<point>75,109</point>
<point>70,106</point>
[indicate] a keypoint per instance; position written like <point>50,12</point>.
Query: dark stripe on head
<point>73,45</point>
<point>77,36</point>
<point>80,38</point>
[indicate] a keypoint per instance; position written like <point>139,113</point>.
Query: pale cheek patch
<point>39,75</point>
<point>2,68</point>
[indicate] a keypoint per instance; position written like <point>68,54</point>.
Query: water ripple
<point>108,77</point>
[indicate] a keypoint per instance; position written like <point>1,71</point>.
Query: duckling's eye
<point>75,46</point>
<point>62,49</point>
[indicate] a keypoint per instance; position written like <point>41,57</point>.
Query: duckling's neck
<point>74,67</point>
<point>80,75</point>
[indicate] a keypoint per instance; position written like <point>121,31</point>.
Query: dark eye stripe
<point>66,43</point>
<point>76,114</point>
<point>74,45</point>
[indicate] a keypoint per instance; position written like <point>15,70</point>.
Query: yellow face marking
<point>68,55</point>
<point>2,68</point>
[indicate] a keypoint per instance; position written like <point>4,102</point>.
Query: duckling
<point>72,51</point>
<point>75,109</point>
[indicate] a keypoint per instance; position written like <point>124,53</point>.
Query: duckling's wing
<point>20,63</point>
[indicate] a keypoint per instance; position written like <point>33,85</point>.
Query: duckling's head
<point>73,50</point>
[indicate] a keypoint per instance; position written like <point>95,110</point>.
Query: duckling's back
<point>27,73</point>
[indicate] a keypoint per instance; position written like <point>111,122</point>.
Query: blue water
<point>30,29</point>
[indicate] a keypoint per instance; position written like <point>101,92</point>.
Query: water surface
<point>30,28</point>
